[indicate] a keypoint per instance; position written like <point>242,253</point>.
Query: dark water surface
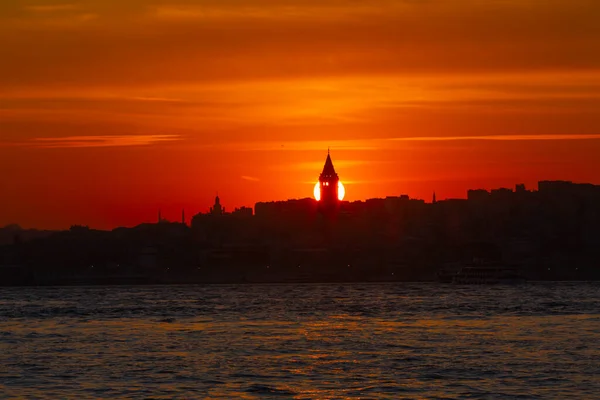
<point>301,341</point>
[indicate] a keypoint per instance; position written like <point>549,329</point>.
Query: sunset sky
<point>110,110</point>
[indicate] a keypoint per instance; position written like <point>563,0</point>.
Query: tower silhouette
<point>217,209</point>
<point>328,184</point>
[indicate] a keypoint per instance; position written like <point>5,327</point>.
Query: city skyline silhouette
<point>111,110</point>
<point>328,192</point>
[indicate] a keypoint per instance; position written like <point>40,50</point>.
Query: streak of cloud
<point>49,8</point>
<point>101,141</point>
<point>157,99</point>
<point>311,145</point>
<point>496,137</point>
<point>374,144</point>
<point>318,165</point>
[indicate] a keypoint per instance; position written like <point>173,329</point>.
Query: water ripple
<point>374,341</point>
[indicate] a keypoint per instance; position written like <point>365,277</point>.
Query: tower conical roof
<point>328,169</point>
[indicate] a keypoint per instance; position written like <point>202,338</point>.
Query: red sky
<point>111,109</point>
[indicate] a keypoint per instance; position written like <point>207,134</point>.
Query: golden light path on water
<point>341,191</point>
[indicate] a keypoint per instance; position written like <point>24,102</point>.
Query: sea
<point>301,341</point>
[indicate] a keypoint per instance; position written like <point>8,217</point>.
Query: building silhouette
<point>328,186</point>
<point>217,209</point>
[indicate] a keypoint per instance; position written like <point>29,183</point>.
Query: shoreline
<point>273,282</point>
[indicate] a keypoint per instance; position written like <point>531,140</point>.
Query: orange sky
<point>112,109</point>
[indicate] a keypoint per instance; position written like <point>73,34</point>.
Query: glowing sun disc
<point>341,191</point>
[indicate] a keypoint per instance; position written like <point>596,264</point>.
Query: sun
<point>341,191</point>
<point>317,192</point>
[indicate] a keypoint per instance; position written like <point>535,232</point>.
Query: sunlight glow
<point>341,191</point>
<point>317,192</point>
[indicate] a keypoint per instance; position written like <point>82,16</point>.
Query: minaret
<point>328,184</point>
<point>217,209</point>
<point>159,216</point>
<point>183,216</point>
<point>433,201</point>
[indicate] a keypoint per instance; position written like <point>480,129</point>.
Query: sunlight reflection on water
<point>301,341</point>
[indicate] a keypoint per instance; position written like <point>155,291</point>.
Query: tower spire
<point>328,182</point>
<point>328,168</point>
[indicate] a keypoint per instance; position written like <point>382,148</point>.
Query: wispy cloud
<point>308,145</point>
<point>373,144</point>
<point>250,178</point>
<point>496,137</point>
<point>158,99</point>
<point>51,8</point>
<point>101,141</point>
<point>268,10</point>
<point>318,165</point>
